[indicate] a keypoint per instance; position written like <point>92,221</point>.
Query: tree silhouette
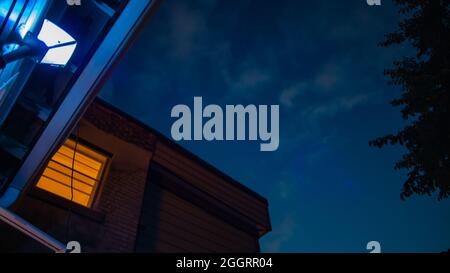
<point>424,79</point>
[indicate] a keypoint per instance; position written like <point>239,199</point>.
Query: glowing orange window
<point>74,175</point>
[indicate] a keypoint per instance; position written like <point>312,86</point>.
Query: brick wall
<point>121,201</point>
<point>112,222</point>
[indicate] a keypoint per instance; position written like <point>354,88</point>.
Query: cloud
<point>247,80</point>
<point>336,105</point>
<point>289,94</point>
<point>331,90</point>
<point>282,233</point>
<point>325,80</point>
<point>186,30</point>
<point>252,78</point>
<point>334,88</point>
<point>328,77</point>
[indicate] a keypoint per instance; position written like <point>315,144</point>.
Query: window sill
<point>62,203</point>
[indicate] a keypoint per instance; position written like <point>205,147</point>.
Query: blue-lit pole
<point>31,47</point>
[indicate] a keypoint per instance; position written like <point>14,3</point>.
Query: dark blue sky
<point>327,189</point>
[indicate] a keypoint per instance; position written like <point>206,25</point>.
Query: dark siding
<point>172,224</point>
<point>194,173</point>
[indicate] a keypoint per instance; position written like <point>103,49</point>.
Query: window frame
<point>92,205</point>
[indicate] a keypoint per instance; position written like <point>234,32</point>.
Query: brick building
<point>150,195</point>
<point>73,168</point>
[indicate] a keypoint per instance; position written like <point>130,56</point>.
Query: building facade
<point>127,188</point>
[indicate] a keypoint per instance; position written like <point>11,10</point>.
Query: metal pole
<point>31,231</point>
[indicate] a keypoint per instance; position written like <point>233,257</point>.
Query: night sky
<point>328,191</point>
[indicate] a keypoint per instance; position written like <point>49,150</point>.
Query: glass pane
<point>77,184</point>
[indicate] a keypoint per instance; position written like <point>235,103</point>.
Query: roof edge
<point>183,150</point>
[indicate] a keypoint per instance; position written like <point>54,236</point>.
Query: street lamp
<point>51,46</point>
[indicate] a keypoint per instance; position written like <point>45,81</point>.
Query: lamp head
<point>51,46</point>
<point>61,45</point>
